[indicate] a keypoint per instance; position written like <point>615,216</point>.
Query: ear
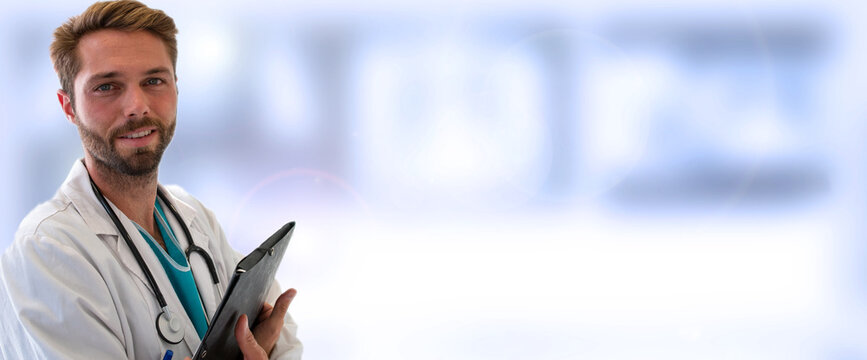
<point>66,105</point>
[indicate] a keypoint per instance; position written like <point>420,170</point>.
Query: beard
<point>143,161</point>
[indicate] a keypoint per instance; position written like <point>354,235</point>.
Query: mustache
<point>132,125</point>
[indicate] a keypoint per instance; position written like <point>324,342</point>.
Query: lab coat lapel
<point>191,338</point>
<point>77,188</point>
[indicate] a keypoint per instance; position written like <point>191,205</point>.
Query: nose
<point>135,104</point>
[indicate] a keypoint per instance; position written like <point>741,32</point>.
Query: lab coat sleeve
<point>56,305</point>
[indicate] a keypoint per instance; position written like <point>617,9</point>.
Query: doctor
<point>77,284</point>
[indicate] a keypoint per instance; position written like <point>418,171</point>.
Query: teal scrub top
<point>178,269</point>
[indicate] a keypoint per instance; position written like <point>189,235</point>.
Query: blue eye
<point>104,87</point>
<point>154,81</point>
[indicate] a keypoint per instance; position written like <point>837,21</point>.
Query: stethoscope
<point>168,324</point>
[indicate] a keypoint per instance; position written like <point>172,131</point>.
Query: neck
<point>133,195</point>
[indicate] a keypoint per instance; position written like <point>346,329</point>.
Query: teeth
<point>138,134</point>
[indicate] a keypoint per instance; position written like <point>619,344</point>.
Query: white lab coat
<point>70,287</point>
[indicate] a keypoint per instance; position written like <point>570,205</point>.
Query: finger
<point>265,313</point>
<point>267,331</point>
<point>282,303</point>
<point>249,347</point>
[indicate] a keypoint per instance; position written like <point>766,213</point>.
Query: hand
<point>258,344</point>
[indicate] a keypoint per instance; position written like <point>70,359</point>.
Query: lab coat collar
<point>188,213</point>
<point>77,188</point>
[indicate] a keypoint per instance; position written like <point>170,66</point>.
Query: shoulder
<point>179,192</point>
<point>53,229</point>
<point>197,206</point>
<point>55,218</point>
<point>200,216</point>
<point>187,198</point>
<point>53,251</point>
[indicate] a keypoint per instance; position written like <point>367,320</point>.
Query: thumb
<point>246,341</point>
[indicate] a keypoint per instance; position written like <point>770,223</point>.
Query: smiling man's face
<point>125,100</point>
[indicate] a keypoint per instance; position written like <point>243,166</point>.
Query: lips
<point>140,137</point>
<point>137,135</point>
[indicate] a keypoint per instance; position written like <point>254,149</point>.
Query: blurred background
<point>512,179</point>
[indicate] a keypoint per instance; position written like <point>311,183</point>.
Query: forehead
<point>123,52</point>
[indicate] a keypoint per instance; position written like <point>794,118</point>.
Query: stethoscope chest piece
<point>170,327</point>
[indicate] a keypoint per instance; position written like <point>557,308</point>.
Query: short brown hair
<point>126,15</point>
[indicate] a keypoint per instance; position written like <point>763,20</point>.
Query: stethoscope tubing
<point>192,247</point>
<point>137,255</point>
<point>166,323</point>
<point>132,247</point>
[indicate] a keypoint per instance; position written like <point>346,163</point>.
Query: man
<point>71,284</point>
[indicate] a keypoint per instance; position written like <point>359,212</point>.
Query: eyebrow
<point>158,70</point>
<point>105,75</point>
<point>114,74</point>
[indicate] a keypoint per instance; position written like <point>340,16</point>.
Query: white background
<point>512,180</point>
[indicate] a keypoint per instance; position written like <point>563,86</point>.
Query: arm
<point>55,304</point>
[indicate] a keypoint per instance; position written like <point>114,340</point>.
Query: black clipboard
<point>244,295</point>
